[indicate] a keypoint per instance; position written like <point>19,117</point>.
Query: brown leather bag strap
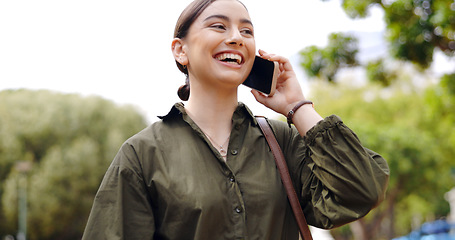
<point>285,178</point>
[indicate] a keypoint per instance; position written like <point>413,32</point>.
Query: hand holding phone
<point>263,76</point>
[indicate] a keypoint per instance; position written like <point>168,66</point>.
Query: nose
<point>235,38</point>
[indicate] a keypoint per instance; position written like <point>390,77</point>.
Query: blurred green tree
<point>378,71</point>
<point>414,130</point>
<point>414,30</point>
<point>324,63</point>
<point>70,141</point>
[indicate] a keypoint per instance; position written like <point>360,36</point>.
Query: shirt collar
<point>179,109</point>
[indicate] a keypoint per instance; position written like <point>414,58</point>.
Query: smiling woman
<point>201,41</point>
<point>205,171</point>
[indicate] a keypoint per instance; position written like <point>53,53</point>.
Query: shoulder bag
<point>285,178</point>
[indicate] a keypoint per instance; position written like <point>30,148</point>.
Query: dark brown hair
<point>186,19</point>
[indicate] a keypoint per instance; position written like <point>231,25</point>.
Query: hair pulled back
<point>182,27</point>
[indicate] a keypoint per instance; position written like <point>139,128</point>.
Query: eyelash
<point>222,27</point>
<point>218,26</point>
<point>248,31</point>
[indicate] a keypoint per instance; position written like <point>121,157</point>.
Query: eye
<point>247,31</point>
<point>218,26</point>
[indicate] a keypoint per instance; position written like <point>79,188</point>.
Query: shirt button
<point>238,209</point>
<point>232,179</point>
<point>234,152</point>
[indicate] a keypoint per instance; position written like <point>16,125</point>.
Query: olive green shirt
<point>169,182</point>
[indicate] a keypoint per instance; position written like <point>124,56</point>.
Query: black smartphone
<point>263,76</point>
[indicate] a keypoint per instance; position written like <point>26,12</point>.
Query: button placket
<point>237,201</point>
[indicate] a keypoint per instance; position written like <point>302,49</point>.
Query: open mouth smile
<point>230,58</point>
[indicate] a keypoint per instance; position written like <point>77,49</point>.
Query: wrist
<point>297,106</point>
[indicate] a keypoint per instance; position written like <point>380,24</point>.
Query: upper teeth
<point>224,56</point>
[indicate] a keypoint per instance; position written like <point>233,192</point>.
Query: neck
<point>211,110</point>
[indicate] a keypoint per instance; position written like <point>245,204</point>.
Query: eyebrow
<point>226,18</point>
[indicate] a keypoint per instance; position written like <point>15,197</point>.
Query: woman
<point>205,170</point>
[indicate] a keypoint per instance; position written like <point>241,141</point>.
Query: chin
<point>235,78</point>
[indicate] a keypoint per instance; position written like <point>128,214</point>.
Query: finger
<point>262,52</point>
<point>260,97</point>
<point>268,56</point>
<point>273,57</point>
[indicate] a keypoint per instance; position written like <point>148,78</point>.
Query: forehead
<point>232,9</point>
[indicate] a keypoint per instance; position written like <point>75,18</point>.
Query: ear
<point>178,50</point>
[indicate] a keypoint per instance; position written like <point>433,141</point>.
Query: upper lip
<point>242,58</point>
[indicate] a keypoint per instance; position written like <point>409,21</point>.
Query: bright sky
<point>120,49</point>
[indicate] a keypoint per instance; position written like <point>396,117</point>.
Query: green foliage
<point>413,128</point>
<point>70,141</point>
<point>313,61</point>
<point>325,62</point>
<point>441,115</point>
<point>416,43</point>
<point>448,83</point>
<point>414,27</point>
<point>405,128</point>
<point>358,9</point>
<point>377,72</point>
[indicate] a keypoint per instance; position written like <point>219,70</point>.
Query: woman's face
<point>220,45</point>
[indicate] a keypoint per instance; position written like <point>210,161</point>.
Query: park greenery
<point>413,129</point>
<point>69,141</point>
<point>399,109</point>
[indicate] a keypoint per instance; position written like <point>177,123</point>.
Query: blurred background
<point>77,78</point>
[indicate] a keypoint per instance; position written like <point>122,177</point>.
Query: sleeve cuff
<point>328,122</point>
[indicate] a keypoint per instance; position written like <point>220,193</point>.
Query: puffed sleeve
<point>121,209</point>
<point>338,179</point>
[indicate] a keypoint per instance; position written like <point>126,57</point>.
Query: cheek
<point>252,46</point>
<point>251,54</point>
